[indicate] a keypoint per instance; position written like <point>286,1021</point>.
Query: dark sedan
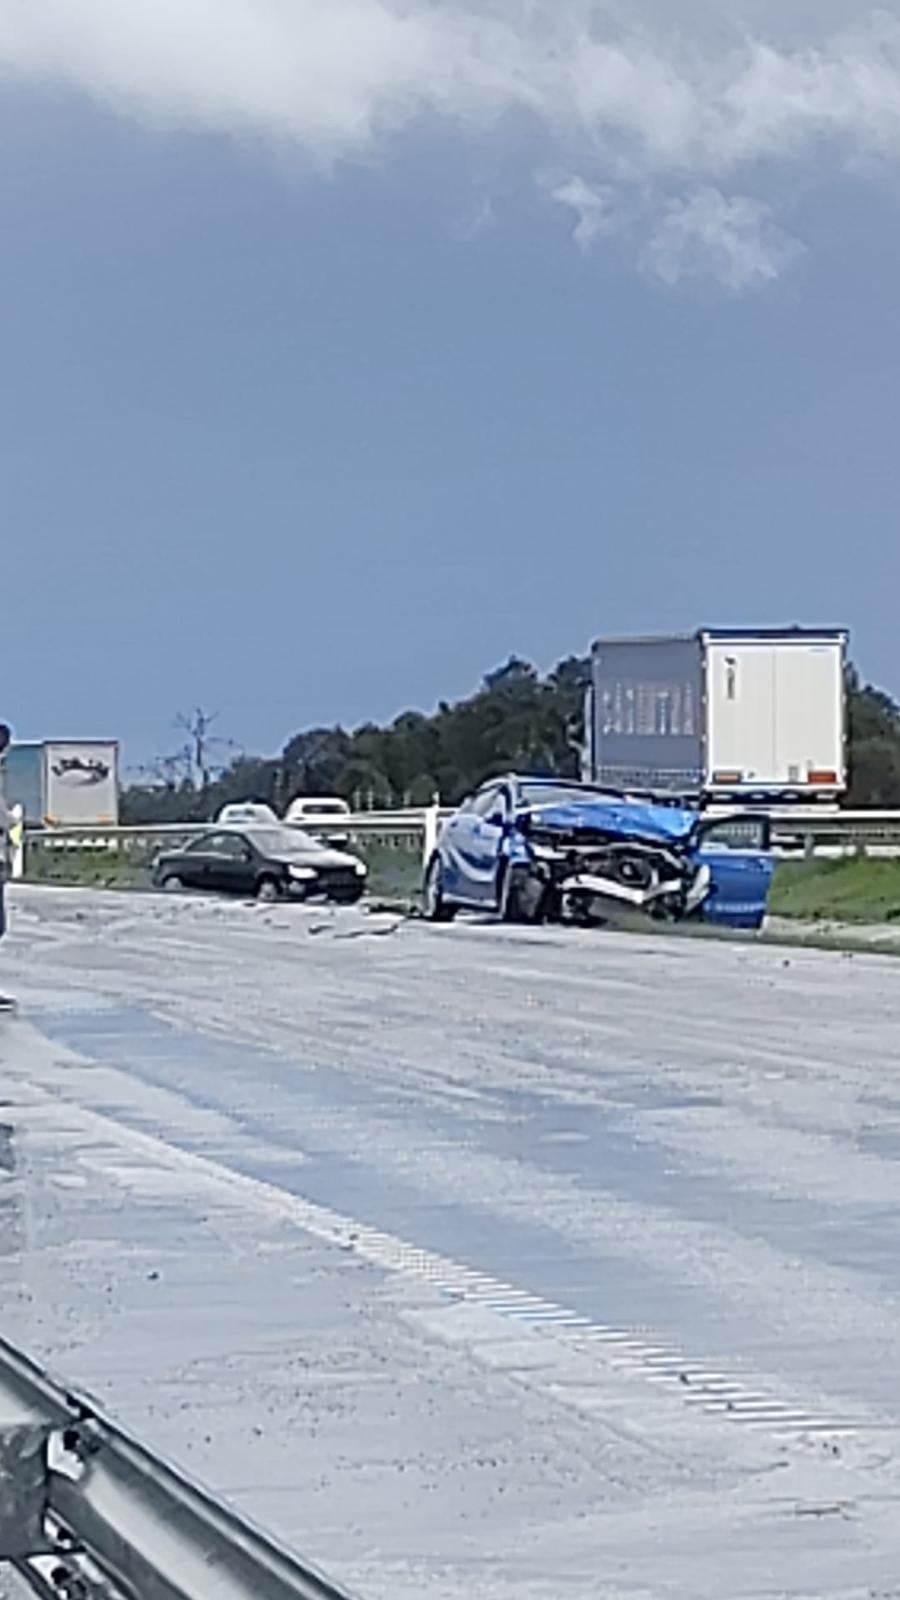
<point>268,863</point>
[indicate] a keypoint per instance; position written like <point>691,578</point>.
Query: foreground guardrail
<point>88,1513</point>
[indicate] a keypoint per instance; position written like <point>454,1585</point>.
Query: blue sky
<point>335,369</point>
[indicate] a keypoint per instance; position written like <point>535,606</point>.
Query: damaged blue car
<point>550,850</point>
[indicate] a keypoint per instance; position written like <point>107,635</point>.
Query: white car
<point>244,812</point>
<point>316,809</point>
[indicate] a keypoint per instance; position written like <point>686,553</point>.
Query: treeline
<point>873,719</point>
<point>516,721</point>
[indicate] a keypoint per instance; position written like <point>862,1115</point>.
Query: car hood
<point>631,819</point>
<point>319,859</point>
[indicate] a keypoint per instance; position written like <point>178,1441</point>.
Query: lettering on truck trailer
<point>83,773</point>
<point>648,710</point>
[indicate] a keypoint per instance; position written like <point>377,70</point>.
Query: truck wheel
<point>434,905</point>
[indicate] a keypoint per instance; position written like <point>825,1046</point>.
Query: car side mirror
<point>496,819</point>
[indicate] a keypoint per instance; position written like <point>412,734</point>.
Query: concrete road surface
<point>475,1261</point>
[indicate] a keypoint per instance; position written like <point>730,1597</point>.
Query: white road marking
<point>624,1350</point>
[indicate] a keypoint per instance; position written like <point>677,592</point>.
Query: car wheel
<point>347,897</point>
<point>172,883</point>
<point>267,890</point>
<point>435,906</point>
<point>520,897</point>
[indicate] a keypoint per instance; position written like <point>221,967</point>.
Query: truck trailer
<point>720,715</point>
<point>64,783</point>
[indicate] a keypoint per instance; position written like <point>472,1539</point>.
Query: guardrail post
<point>430,826</point>
<point>17,841</point>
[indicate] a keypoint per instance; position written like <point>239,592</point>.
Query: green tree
<point>873,725</point>
<point>314,760</point>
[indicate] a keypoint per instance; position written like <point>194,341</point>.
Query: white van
<point>317,809</point>
<point>244,812</point>
<point>325,813</point>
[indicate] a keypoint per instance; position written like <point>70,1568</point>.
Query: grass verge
<point>394,874</point>
<point>88,869</point>
<point>856,890</point>
<point>817,898</point>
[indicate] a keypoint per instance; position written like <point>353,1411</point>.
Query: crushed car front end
<point>604,857</point>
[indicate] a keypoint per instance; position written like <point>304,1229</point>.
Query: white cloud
<point>624,92</point>
<point>734,240</point>
<point>593,207</point>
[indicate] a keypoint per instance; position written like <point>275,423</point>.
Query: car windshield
<point>560,794</point>
<point>322,808</point>
<point>283,841</point>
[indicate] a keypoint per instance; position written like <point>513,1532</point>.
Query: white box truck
<point>65,783</point>
<point>750,716</point>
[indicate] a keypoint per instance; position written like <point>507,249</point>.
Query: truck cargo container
<point>725,715</point>
<point>65,783</point>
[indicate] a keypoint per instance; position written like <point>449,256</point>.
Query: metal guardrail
<point>393,824</point>
<point>809,831</point>
<point>413,829</point>
<point>836,833</point>
<point>88,1513</point>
